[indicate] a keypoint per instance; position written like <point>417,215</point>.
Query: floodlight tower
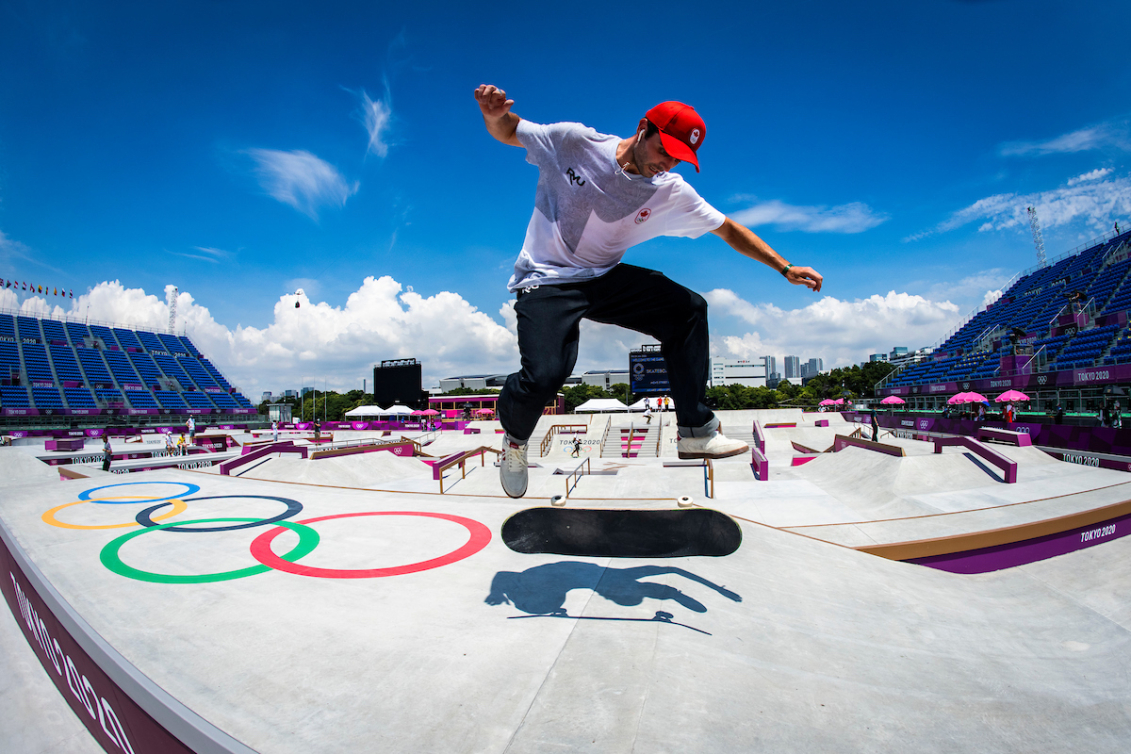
<point>171,300</point>
<point>1035,226</point>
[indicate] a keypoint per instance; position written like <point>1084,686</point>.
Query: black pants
<point>549,320</point>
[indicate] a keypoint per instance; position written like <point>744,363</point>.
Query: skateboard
<point>622,533</point>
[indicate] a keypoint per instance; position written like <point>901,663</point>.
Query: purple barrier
<point>1028,551</point>
<point>759,437</point>
<point>437,463</point>
<point>74,443</point>
<point>760,464</point>
<point>841,442</point>
<point>84,671</point>
<point>275,447</point>
<point>1017,439</point>
<point>1009,467</point>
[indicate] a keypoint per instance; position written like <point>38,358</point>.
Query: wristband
<point>786,270</point>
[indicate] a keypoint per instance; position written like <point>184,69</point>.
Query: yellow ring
<point>179,506</point>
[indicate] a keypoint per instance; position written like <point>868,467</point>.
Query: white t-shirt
<point>588,211</point>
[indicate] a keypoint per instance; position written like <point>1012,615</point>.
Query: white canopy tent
<point>601,405</point>
<point>362,412</point>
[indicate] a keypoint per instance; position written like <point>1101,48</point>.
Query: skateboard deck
<point>622,533</point>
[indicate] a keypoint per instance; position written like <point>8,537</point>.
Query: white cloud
<point>839,332</point>
<point>315,342</point>
<point>854,217</point>
<point>1085,199</point>
<point>377,118</point>
<point>1111,134</point>
<point>301,180</point>
<point>1093,175</point>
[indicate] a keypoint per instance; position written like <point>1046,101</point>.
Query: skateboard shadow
<point>542,590</point>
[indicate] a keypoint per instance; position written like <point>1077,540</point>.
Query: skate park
<point>342,602</point>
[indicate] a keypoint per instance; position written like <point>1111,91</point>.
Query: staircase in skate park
<point>636,439</point>
<point>743,432</point>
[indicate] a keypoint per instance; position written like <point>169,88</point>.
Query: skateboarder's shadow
<point>542,590</point>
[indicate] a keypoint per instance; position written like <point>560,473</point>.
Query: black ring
<point>294,507</point>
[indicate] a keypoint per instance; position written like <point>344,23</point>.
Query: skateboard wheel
<point>684,501</point>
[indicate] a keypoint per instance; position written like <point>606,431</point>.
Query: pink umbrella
<point>1011,395</point>
<point>892,400</point>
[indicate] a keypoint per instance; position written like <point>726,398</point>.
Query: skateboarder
<point>598,195</point>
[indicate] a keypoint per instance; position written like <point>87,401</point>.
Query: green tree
<point>578,394</point>
<point>622,393</point>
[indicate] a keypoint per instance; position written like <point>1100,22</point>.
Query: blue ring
<point>85,494</point>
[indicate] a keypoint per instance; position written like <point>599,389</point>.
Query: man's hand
<point>500,121</point>
<point>806,276</point>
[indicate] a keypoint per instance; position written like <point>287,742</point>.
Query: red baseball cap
<point>681,130</point>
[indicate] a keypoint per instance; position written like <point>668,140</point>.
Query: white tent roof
<point>602,404</point>
<point>366,411</point>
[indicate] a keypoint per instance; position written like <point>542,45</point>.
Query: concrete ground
<point>795,643</point>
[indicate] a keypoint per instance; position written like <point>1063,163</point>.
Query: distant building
<point>792,368</point>
<point>473,381</point>
<point>605,378</point>
<point>751,373</point>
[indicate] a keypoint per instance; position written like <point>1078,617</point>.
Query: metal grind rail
<point>461,460</point>
<point>576,475</point>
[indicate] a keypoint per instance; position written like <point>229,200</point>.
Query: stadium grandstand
<point>1059,333</point>
<point>66,373</point>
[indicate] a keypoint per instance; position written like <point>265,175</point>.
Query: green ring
<point>308,539</point>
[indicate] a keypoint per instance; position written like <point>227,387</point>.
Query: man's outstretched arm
<point>501,122</point>
<point>745,242</point>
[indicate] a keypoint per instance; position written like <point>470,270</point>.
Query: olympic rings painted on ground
<point>192,490</point>
<point>179,506</point>
<point>480,536</point>
<point>308,540</point>
<point>294,507</point>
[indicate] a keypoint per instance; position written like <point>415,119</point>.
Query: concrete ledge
<point>1007,465</point>
<point>1018,439</point>
<point>760,464</point>
<point>842,441</point>
<point>122,708</point>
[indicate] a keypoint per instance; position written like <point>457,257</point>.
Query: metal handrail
<point>604,437</point>
<point>461,459</point>
<point>555,429</point>
<point>577,473</point>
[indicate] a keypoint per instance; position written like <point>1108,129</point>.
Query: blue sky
<point>244,150</point>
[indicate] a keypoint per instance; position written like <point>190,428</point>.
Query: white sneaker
<point>716,445</point>
<point>512,467</point>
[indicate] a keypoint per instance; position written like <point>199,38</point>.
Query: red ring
<point>480,536</point>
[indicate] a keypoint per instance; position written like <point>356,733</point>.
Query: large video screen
<point>648,373</point>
